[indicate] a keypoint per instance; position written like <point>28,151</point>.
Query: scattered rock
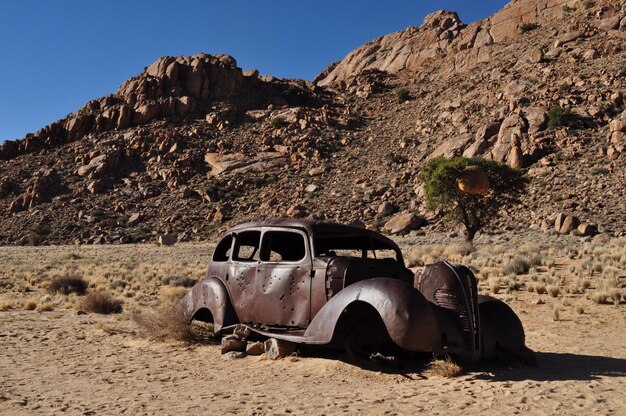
<point>276,349</point>
<point>255,348</point>
<point>565,224</point>
<point>587,229</point>
<point>233,343</point>
<point>135,219</point>
<point>233,355</point>
<point>242,332</point>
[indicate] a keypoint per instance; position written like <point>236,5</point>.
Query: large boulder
<point>402,223</point>
<point>564,223</point>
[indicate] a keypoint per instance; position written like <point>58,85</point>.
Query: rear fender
<point>411,321</point>
<point>502,330</point>
<point>210,294</point>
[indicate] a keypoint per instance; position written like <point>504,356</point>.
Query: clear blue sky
<point>57,55</point>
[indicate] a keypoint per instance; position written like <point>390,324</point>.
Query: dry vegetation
<point>140,275</point>
<point>563,288</point>
<point>551,267</point>
<point>445,368</point>
<point>541,268</point>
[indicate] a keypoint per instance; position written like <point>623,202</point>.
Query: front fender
<point>210,294</point>
<point>412,322</point>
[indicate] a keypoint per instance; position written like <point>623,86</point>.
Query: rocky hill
<point>194,144</point>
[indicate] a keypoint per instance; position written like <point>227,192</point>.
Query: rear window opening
<point>355,246</point>
<point>283,246</point>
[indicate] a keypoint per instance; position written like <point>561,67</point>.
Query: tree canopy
<point>441,176</point>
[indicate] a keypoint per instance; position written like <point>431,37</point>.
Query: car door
<point>283,281</point>
<point>242,274</point>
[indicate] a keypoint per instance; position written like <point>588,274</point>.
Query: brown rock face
<point>399,51</point>
<point>170,86</point>
<point>443,34</point>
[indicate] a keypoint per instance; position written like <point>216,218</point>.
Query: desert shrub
<point>38,233</point>
<point>568,9</point>
<point>599,171</point>
<point>588,4</point>
<point>512,283</point>
<point>30,305</point>
<point>580,310</point>
<point>278,122</point>
<point>527,27</point>
<point>565,87</point>
<point>474,211</point>
<point>167,323</point>
<point>68,284</point>
<point>117,284</point>
<point>184,281</point>
<point>403,95</point>
<point>101,302</point>
<point>444,368</point>
<point>518,265</point>
<point>559,117</point>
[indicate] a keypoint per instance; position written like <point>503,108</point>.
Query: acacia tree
<point>441,176</point>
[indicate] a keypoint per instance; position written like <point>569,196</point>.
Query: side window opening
<point>284,246</point>
<point>222,251</point>
<point>247,246</point>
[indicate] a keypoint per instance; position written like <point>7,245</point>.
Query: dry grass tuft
<point>615,296</point>
<point>444,368</point>
<point>101,302</point>
<point>30,305</point>
<point>553,290</point>
<point>494,284</point>
<point>68,284</point>
<point>45,307</point>
<point>170,294</point>
<point>599,297</point>
<point>5,306</point>
<point>183,281</point>
<point>167,323</point>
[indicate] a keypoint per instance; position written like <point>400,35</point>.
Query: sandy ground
<point>59,362</point>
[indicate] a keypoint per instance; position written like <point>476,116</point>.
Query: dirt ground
<point>59,362</point>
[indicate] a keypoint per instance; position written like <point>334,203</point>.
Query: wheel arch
<point>410,320</point>
<point>209,299</point>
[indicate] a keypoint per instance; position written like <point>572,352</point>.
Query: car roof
<point>314,227</point>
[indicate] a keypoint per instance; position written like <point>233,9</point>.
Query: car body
<point>320,283</point>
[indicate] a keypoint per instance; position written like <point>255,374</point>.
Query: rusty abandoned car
<point>320,283</point>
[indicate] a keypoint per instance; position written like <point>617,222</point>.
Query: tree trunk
<point>470,233</point>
